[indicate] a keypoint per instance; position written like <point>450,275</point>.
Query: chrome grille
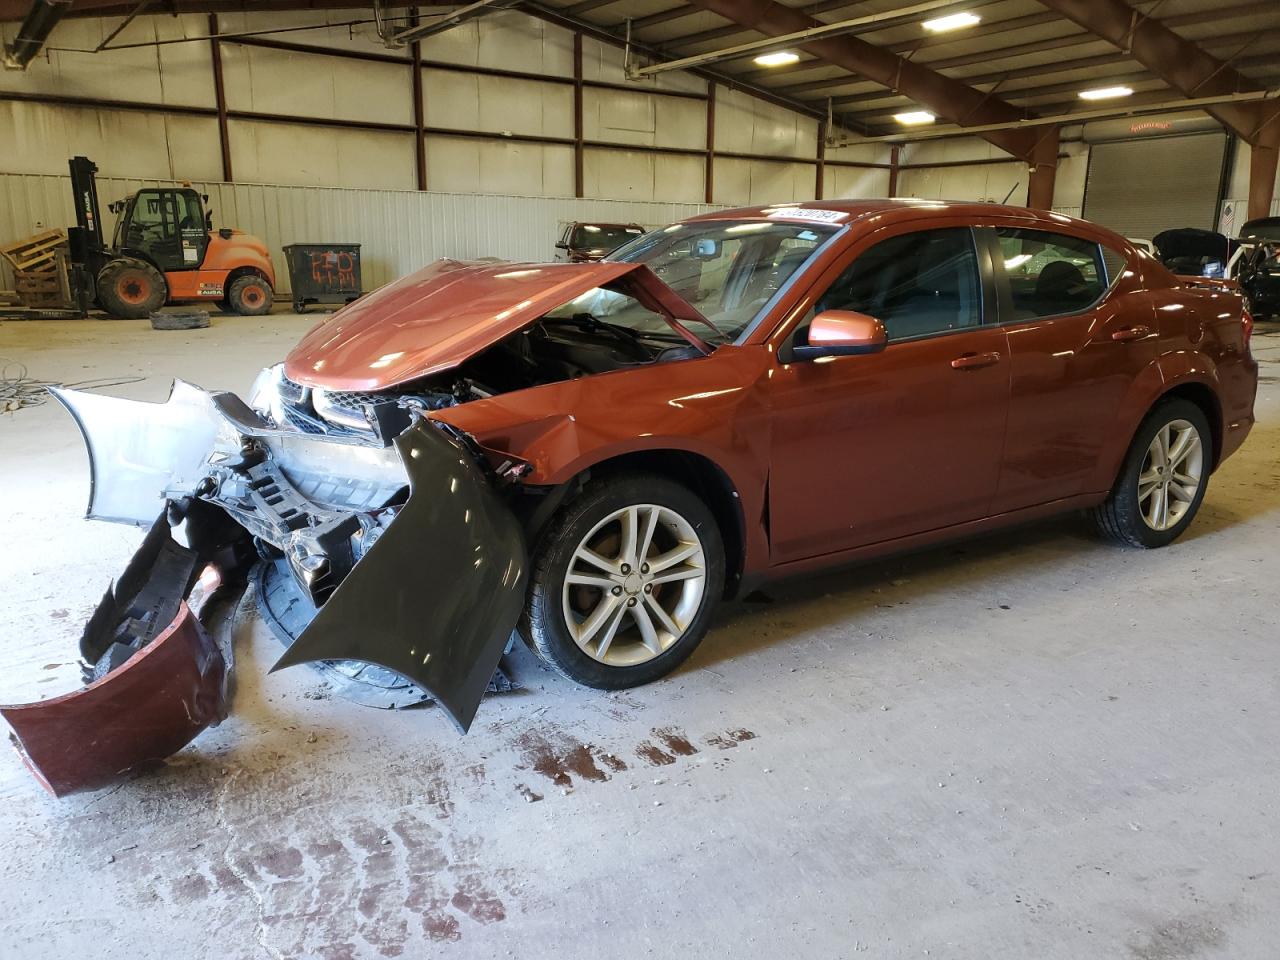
<point>291,392</point>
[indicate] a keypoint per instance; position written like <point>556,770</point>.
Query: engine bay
<point>554,349</point>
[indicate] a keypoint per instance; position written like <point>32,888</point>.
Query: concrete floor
<point>1029,746</point>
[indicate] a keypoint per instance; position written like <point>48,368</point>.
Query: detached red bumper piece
<point>148,708</point>
<point>157,668</point>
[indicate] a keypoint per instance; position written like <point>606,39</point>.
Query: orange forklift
<point>165,250</point>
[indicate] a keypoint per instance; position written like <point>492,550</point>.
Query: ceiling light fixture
<point>915,117</point>
<point>779,58</point>
<point>952,22</point>
<point>1105,93</point>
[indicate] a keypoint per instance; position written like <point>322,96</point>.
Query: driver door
<point>871,448</point>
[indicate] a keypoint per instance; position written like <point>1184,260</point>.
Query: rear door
<point>875,447</point>
<point>1079,332</point>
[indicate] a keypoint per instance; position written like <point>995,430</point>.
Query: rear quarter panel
<point>1201,342</point>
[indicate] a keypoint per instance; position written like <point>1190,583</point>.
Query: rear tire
<point>132,289</point>
<point>638,596</point>
<point>250,296</point>
<point>1163,480</point>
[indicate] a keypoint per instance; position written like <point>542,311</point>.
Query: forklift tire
<point>250,296</point>
<point>132,289</point>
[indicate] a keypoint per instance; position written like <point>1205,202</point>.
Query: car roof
<point>905,209</point>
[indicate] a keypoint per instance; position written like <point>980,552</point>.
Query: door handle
<point>972,361</point>
<point>1131,333</point>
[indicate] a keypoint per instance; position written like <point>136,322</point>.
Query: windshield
<point>600,236</point>
<point>728,269</point>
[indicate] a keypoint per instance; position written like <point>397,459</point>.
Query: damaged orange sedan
<point>592,455</point>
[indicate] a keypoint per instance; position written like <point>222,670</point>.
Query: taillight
<point>1246,319</point>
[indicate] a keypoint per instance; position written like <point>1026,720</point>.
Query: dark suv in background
<point>1259,267</point>
<point>594,241</point>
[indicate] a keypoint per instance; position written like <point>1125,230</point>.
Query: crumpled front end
<point>397,551</point>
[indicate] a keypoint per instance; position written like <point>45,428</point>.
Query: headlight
<point>265,394</point>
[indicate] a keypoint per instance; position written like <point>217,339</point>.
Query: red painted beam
<point>220,99</point>
<point>1044,170</point>
<point>950,100</point>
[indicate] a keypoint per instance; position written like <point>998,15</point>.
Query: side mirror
<point>561,245</point>
<point>841,333</point>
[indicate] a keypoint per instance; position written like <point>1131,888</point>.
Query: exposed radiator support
<point>36,27</point>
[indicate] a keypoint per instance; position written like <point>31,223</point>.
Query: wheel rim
<point>253,296</point>
<point>634,585</point>
<point>1171,474</point>
<point>133,289</point>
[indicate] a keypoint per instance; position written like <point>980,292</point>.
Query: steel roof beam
<point>1220,14</point>
<point>951,100</point>
<point>1182,64</point>
<point>819,30</point>
<point>16,9</point>
<point>1061,66</point>
<point>1188,68</point>
<point>40,20</point>
<point>604,35</point>
<point>448,21</point>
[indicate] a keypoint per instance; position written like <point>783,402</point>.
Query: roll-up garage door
<point>1141,187</point>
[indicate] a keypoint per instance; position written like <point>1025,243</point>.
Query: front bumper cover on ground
<point>410,555</point>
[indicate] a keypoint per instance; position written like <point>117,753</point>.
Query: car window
<point>1050,273</point>
<point>1115,262</point>
<point>916,284</point>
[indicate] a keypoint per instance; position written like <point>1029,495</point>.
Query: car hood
<point>437,318</point>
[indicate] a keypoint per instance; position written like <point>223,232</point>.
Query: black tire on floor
<point>1120,518</point>
<point>187,320</point>
<point>132,289</point>
<point>250,296</point>
<point>543,625</point>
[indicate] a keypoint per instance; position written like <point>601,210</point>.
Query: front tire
<point>1163,479</point>
<point>250,296</point>
<point>132,289</point>
<point>625,582</point>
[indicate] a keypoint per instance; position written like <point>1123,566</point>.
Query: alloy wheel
<point>634,585</point>
<point>1171,474</point>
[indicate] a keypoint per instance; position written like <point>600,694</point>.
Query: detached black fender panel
<point>440,591</point>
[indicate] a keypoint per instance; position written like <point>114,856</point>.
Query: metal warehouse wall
<point>399,230</point>
<point>498,108</point>
<point>972,169</point>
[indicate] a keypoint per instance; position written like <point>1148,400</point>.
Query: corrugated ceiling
<point>1028,55</point>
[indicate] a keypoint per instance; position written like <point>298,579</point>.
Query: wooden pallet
<point>36,253</point>
<point>45,288</point>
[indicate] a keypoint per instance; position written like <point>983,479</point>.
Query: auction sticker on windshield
<point>803,213</point>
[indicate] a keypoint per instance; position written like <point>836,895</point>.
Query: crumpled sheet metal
<point>437,596</point>
<point>131,719</point>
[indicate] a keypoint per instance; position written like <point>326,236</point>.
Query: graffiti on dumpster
<point>333,269</point>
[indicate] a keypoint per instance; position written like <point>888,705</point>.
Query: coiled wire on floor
<point>18,390</point>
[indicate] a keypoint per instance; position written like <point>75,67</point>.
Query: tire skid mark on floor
<point>313,884</point>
